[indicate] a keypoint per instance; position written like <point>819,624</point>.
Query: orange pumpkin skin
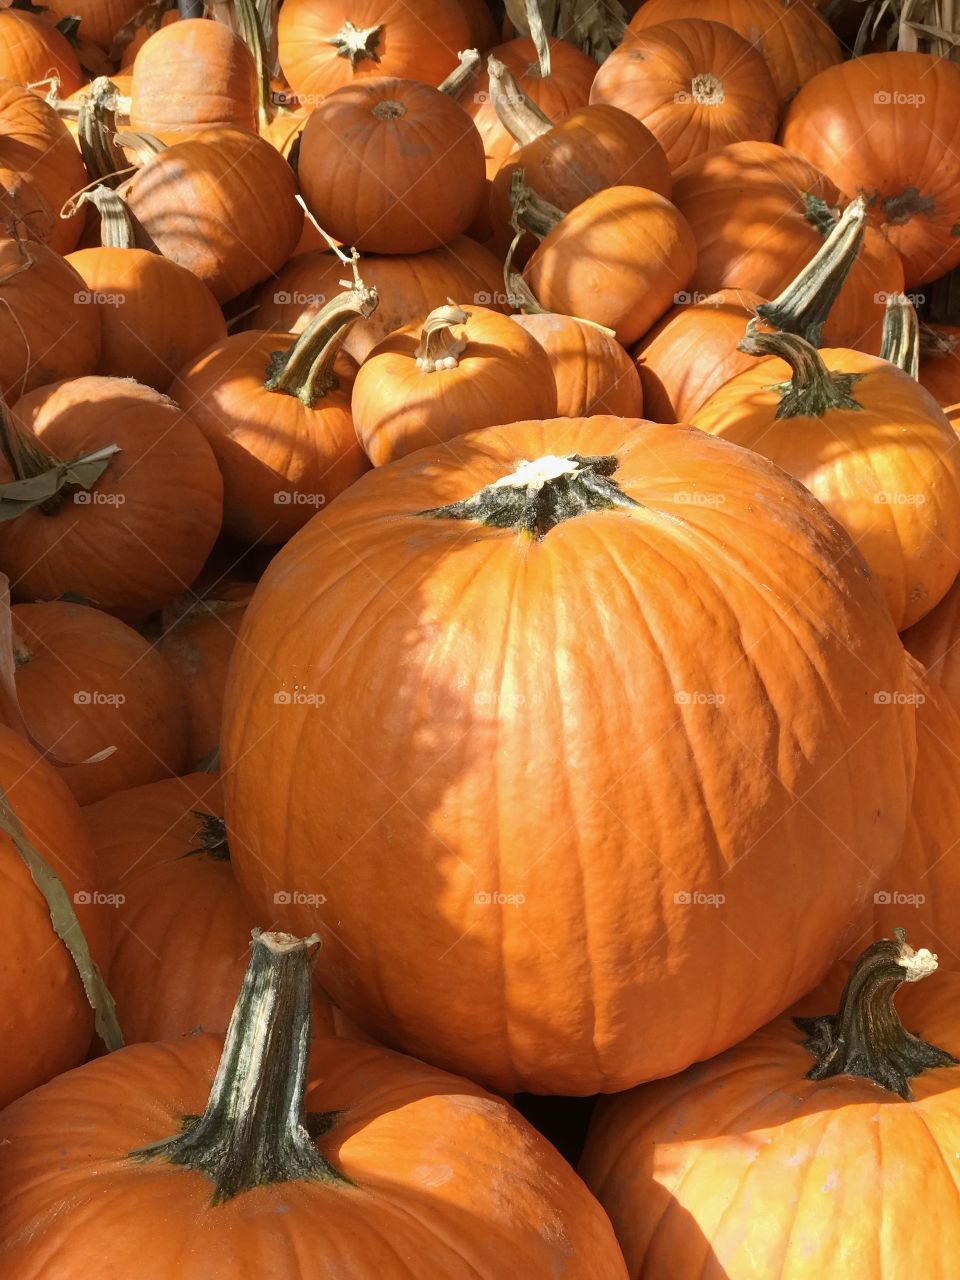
<point>886,471</point>
<point>860,121</point>
<point>140,38</point>
<point>391,166</point>
<point>696,86</point>
<point>222,204</point>
<point>692,352</point>
<point>47,329</point>
<point>604,980</point>
<point>192,74</point>
<point>85,682</point>
<point>45,1019</point>
<point>935,641</point>
<point>794,41</point>
<point>100,20</point>
<point>155,316</point>
<point>619,259</point>
<point>592,371</point>
<point>415,43</point>
<point>940,370</point>
<point>160,507</point>
<point>32,49</point>
<point>36,147</point>
<point>280,461</point>
<point>748,209</point>
<point>502,373</point>
<point>409,285</point>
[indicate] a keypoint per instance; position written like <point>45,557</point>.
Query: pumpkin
<point>130,540</point>
<point>695,85</point>
<point>872,126</point>
<point>540,684</point>
<point>142,34</point>
<point>198,638</point>
<point>391,166</point>
<point>48,329</point>
<point>726,1169</point>
<point>409,286</point>
<point>100,20</point>
<point>222,204</point>
<point>191,74</point>
<point>593,373</point>
<point>32,51</point>
<point>36,150</point>
<point>331,1150</point>
<point>276,413</point>
<point>326,44</point>
<point>935,641</point>
<point>483,29</point>
<point>45,1018</point>
<point>455,371</point>
<point>619,259</point>
<point>939,368</point>
<point>793,40</point>
<point>870,443</point>
<point>759,214</point>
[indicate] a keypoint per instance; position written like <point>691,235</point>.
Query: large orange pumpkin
<point>100,20</point>
<point>618,662</point>
<point>32,51</point>
<point>592,371</point>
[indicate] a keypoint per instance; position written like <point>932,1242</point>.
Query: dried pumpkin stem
<point>531,211</point>
<point>814,389</point>
<point>117,226</point>
<point>901,335</point>
<point>211,836</point>
<point>254,1131</point>
<point>456,80</point>
<point>357,43</point>
<point>306,370</point>
<point>519,115</point>
<point>866,1037</point>
<point>96,133</point>
<point>439,348</point>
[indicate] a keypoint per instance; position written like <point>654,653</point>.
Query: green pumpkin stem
<point>519,115</point>
<point>254,1131</point>
<point>814,389</point>
<point>901,335</point>
<point>866,1037</point>
<point>805,304</point>
<point>462,73</point>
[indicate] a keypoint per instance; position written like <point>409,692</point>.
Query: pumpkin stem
<point>519,115</point>
<point>707,90</point>
<point>247,25</point>
<point>814,389</point>
<point>820,214</point>
<point>901,335</point>
<point>254,1132</point>
<point>357,43</point>
<point>40,481</point>
<point>438,348</point>
<point>866,1037</point>
<point>118,228</point>
<point>531,211</point>
<point>805,303</point>
<point>456,80</point>
<point>211,836</point>
<point>540,495</point>
<point>96,132</point>
<point>306,370</point>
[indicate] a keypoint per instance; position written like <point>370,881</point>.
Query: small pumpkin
<point>33,51</point>
<point>593,373</point>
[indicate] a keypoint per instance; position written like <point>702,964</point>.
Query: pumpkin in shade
<point>939,368</point>
<point>142,34</point>
<point>593,373</point>
<point>792,38</point>
<point>619,259</point>
<point>222,204</point>
<point>135,536</point>
<point>33,51</point>
<point>935,641</point>
<point>696,86</point>
<point>391,166</point>
<point>541,685</point>
<point>276,412</point>
<point>45,1018</point>
<point>192,74</point>
<point>325,1140</point>
<point>455,371</point>
<point>869,442</point>
<point>409,286</point>
<point>326,44</point>
<point>875,126</point>
<point>100,20</point>
<point>726,1169</point>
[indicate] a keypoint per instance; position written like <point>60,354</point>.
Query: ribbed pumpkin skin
<point>47,330</point>
<point>888,472</point>
<point>31,49</point>
<point>486,1196</point>
<point>222,204</point>
<point>522,698</point>
<point>746,206</point>
<point>692,352</point>
<point>409,285</point>
<point>36,145</point>
<point>795,42</point>
<point>391,166</point>
<point>696,86</point>
<point>877,124</point>
<point>592,371</point>
<point>191,74</point>
<point>131,556</point>
<point>940,373</point>
<point>619,259</point>
<point>100,20</point>
<point>935,641</point>
<point>45,1020</point>
<point>155,316</point>
<point>417,42</point>
<point>727,1168</point>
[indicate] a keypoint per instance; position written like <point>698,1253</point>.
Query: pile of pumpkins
<point>479,618</point>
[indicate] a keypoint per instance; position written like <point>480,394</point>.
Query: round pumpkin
<point>32,51</point>
<point>940,368</point>
<point>540,684</point>
<point>593,373</point>
<point>695,85</point>
<point>100,20</point>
